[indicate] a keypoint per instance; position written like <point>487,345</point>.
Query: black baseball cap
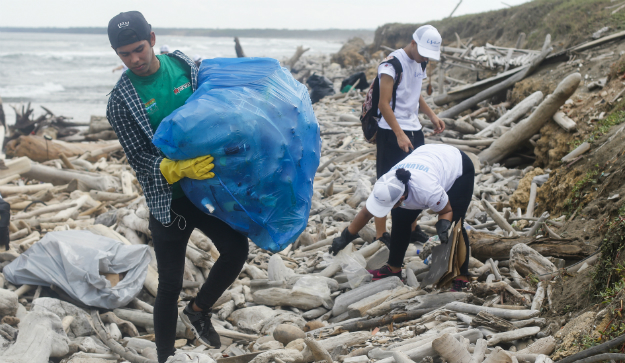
<point>127,28</point>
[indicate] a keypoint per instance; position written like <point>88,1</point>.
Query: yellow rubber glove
<point>198,168</point>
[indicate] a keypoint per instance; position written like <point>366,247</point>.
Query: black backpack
<point>370,115</point>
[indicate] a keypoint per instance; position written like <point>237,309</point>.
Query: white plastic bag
<point>313,285</point>
<point>353,265</point>
<point>74,261</point>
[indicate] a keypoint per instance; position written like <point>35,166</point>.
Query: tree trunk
<point>524,130</point>
<point>298,53</point>
<point>490,321</point>
<point>501,313</point>
<point>41,336</point>
<point>499,248</point>
<point>6,190</point>
<point>55,176</point>
<point>514,114</point>
<point>39,149</point>
<point>526,261</point>
<point>513,335</point>
<point>451,349</point>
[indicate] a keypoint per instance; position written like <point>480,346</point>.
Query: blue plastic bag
<point>257,121</point>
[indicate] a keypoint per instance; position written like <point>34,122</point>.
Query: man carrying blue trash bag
<point>231,150</point>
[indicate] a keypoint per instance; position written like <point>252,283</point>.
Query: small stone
<point>312,325</point>
<point>285,333</point>
<point>11,320</point>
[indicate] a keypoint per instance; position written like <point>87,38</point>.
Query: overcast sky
<point>291,14</point>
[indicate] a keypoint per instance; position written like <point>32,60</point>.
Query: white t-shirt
<point>434,168</point>
<point>408,91</point>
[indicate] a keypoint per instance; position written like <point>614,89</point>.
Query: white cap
<point>386,193</point>
<point>428,41</point>
<point>165,48</point>
<point>197,58</point>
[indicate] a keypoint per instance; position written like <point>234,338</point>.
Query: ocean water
<point>71,74</point>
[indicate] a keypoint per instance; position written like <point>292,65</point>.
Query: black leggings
<point>459,195</point>
<point>170,246</point>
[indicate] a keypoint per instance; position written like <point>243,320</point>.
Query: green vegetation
<point>603,126</point>
<point>576,201</point>
<point>609,275</point>
<point>568,21</point>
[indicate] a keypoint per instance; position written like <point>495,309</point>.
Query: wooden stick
<point>112,344</point>
<point>26,189</point>
<point>48,209</point>
<point>564,121</point>
<point>66,162</point>
<point>529,212</point>
<point>539,297</point>
<point>501,222</point>
<point>501,313</point>
<point>577,152</point>
<point>451,349</point>
<point>512,335</point>
<point>385,320</point>
<point>319,352</point>
<point>537,224</point>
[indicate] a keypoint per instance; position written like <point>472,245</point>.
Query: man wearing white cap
<point>399,128</point>
<point>438,177</point>
<point>165,49</point>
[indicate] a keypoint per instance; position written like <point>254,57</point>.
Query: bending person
<point>438,177</point>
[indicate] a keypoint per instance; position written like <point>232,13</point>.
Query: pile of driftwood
<point>298,305</point>
<point>302,305</point>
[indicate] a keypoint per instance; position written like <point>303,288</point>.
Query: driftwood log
<point>450,349</point>
<point>395,318</point>
<point>514,114</point>
<point>39,149</point>
<point>527,261</point>
<point>56,176</point>
<point>41,336</point>
<point>499,248</point>
<point>501,313</point>
<point>524,130</point>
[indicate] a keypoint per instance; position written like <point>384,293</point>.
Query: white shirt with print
<point>408,91</point>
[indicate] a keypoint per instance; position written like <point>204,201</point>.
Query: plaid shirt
<point>126,114</point>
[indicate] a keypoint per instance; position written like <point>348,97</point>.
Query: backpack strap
<point>398,74</point>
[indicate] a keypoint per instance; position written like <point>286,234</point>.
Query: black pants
<point>388,153</point>
<point>170,245</point>
<point>459,195</point>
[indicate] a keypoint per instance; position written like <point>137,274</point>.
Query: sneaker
<point>386,239</point>
<point>418,236</point>
<point>383,272</point>
<point>459,285</point>
<point>200,324</point>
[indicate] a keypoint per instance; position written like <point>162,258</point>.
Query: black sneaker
<point>418,236</point>
<point>200,324</point>
<point>386,239</point>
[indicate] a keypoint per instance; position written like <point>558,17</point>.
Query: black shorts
<point>389,154</point>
